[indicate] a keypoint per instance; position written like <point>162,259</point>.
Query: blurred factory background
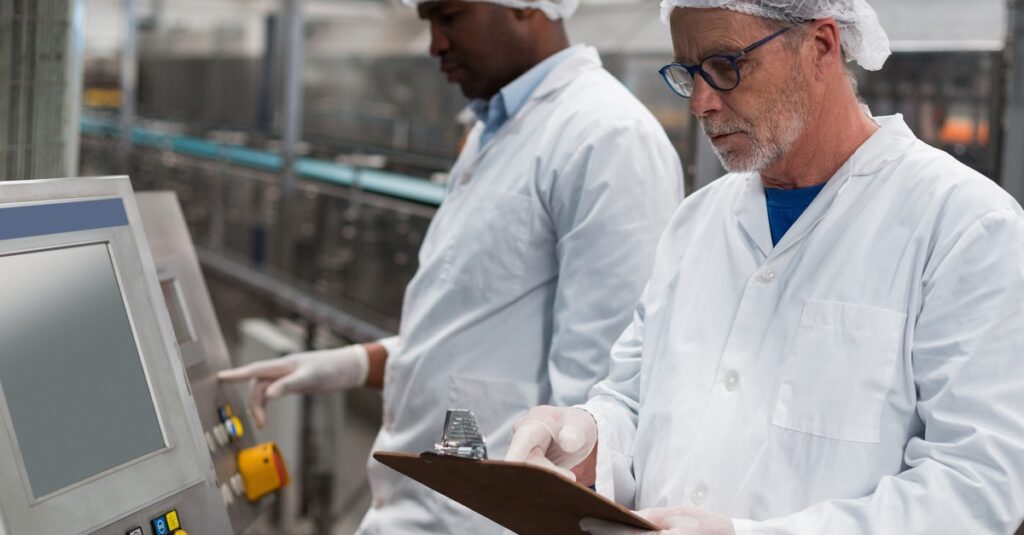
<point>308,143</point>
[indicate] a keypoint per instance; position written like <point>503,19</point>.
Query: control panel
<point>82,305</point>
<point>248,472</point>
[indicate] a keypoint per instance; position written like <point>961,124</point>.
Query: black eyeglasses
<point>720,71</point>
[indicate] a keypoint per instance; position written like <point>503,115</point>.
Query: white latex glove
<point>556,438</point>
<point>671,521</point>
<point>308,372</point>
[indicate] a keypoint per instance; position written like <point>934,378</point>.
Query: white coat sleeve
<point>966,473</point>
<point>609,203</point>
<point>614,404</point>
<point>392,344</point>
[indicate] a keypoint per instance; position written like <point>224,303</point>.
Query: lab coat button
<point>766,275</point>
<point>699,495</point>
<point>732,380</point>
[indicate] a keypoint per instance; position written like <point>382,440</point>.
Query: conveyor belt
<point>372,180</point>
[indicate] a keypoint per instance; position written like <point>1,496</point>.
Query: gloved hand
<point>671,521</point>
<point>307,372</point>
<point>557,438</point>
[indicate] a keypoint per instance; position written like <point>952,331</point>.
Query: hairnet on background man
<point>864,40</point>
<point>554,9</point>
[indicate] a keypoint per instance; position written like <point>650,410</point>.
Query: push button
<point>172,520</point>
<point>135,531</point>
<point>225,412</point>
<point>166,524</point>
<point>220,435</point>
<point>261,470</point>
<point>160,526</point>
<point>234,428</point>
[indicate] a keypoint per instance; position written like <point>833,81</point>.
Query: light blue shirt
<point>506,103</point>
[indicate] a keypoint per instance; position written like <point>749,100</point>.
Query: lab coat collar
<point>888,144</point>
<point>494,112</point>
<point>582,59</point>
<point>752,214</point>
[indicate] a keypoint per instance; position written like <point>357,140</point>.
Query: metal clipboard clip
<point>461,437</point>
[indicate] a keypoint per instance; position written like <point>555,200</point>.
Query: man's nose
<point>705,99</point>
<point>439,43</point>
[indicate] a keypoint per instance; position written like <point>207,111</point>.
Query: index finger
<point>267,369</point>
<point>529,435</point>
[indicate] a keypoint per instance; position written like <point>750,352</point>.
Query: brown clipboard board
<point>523,498</point>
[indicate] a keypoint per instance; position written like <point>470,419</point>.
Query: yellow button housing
<point>172,520</point>
<point>262,469</point>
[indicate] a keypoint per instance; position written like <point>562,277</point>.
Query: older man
<point>532,264</point>
<point>831,341</point>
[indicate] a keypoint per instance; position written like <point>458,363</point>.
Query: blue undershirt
<point>785,206</point>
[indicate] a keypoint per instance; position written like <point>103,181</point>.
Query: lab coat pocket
<point>488,252</point>
<point>840,371</point>
<point>496,404</point>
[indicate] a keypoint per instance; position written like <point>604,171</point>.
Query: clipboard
<point>521,497</point>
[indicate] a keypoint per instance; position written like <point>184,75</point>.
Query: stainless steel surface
<point>1013,120</point>
<point>75,73</point>
<point>461,436</point>
<point>354,253</point>
<point>294,45</point>
<point>193,89</point>
<point>40,76</point>
<point>129,79</point>
<point>181,473</point>
<point>307,305</point>
<point>204,352</point>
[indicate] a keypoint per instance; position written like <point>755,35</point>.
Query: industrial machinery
<point>238,459</point>
<point>41,57</point>
<point>104,360</point>
<point>98,430</point>
<point>356,233</point>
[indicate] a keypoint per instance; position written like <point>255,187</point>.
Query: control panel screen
<point>70,370</point>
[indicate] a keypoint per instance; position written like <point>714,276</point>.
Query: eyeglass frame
<point>693,70</point>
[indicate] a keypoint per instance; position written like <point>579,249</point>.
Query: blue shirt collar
<point>507,102</point>
<point>792,198</point>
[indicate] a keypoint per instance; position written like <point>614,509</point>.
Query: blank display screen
<point>70,368</point>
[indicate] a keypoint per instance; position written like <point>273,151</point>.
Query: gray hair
<point>792,40</point>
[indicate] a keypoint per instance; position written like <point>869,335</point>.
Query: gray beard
<point>783,124</point>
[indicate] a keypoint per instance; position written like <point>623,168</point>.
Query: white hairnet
<point>864,40</point>
<point>554,9</point>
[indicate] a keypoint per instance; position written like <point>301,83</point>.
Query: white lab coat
<point>528,273</point>
<point>864,376</point>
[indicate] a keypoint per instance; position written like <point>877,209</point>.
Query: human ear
<point>827,46</point>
